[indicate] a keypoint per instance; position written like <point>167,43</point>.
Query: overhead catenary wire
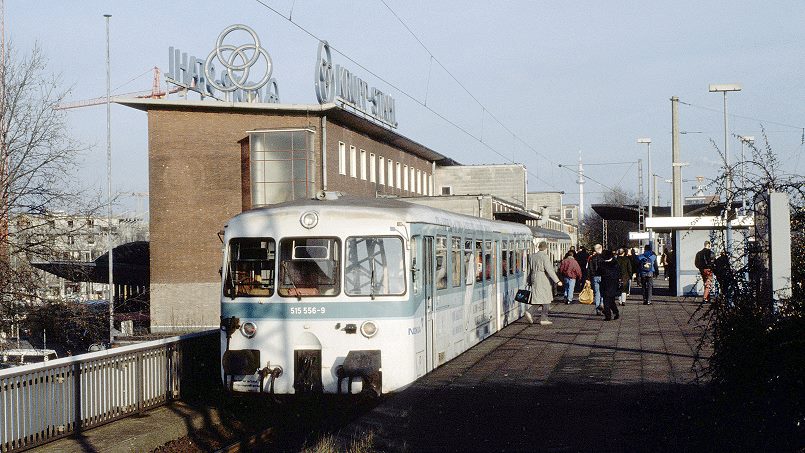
<point>414,98</point>
<point>463,87</point>
<point>744,117</point>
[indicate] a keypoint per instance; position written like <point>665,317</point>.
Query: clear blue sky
<point>585,76</point>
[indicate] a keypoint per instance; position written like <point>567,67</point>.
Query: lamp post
<point>749,140</point>
<point>724,88</point>
<point>109,183</point>
<point>647,141</point>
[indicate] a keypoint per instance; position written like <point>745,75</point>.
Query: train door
<point>427,289</point>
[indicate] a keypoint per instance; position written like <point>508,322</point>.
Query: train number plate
<point>246,384</point>
<point>308,310</point>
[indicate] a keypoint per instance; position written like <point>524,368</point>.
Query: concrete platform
<point>581,384</point>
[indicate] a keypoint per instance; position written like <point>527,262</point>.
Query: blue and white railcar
<point>360,294</point>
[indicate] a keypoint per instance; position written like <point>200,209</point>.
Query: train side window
<point>455,256</point>
<point>512,254</point>
<point>479,261</point>
<point>250,271</point>
<point>375,266</point>
<point>309,267</point>
<point>489,267</point>
<point>504,258</point>
<point>441,262</point>
<point>414,262</point>
<point>518,260</point>
<point>469,265</point>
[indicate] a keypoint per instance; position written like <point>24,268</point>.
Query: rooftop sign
<point>339,84</point>
<point>237,63</point>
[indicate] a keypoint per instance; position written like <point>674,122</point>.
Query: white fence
<point>45,401</point>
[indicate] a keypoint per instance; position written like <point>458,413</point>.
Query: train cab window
<point>250,271</point>
<point>479,261</point>
<point>455,256</point>
<point>309,267</point>
<point>375,266</point>
<point>441,262</point>
<point>469,265</point>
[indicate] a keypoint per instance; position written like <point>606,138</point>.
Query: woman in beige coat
<point>540,276</point>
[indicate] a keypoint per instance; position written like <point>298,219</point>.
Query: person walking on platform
<point>648,269</point>
<point>540,276</point>
<point>625,266</point>
<point>581,258</point>
<point>724,275</point>
<point>610,284</point>
<point>705,261</point>
<point>632,255</point>
<point>594,277</point>
<point>569,270</point>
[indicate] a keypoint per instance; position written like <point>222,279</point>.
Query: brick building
<point>208,161</point>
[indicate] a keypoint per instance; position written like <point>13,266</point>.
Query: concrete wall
<point>507,182</point>
<point>537,200</point>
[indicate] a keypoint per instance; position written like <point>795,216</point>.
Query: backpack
<point>646,266</point>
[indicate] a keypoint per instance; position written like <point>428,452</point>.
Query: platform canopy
<point>630,213</point>
<point>130,266</point>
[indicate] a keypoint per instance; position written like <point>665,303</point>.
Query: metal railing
<point>42,402</point>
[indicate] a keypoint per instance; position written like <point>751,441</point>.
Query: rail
<point>42,402</point>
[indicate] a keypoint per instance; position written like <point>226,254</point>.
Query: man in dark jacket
<point>705,261</point>
<point>594,276</point>
<point>723,273</point>
<point>610,284</point>
<point>626,268</point>
<point>647,270</point>
<point>581,257</point>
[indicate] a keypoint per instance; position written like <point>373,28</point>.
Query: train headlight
<point>309,219</point>
<point>369,329</point>
<point>248,329</point>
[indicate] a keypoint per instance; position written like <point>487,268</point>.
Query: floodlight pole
<point>723,88</point>
<point>109,183</point>
<point>744,140</point>
<point>647,141</point>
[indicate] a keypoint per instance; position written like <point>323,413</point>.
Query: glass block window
<point>282,166</point>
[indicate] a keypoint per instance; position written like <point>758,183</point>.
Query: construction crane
<point>156,92</point>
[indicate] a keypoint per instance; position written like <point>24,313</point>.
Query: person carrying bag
<point>586,295</point>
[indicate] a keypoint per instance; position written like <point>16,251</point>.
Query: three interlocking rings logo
<point>237,60</point>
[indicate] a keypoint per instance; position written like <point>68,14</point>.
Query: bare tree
<point>591,230</point>
<point>38,158</point>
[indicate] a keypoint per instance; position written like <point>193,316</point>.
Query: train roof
<point>388,208</point>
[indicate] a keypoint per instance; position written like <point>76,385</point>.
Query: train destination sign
<point>338,83</point>
<point>237,62</point>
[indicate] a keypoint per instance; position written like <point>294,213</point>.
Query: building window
<point>447,190</point>
<point>419,182</point>
<point>405,177</point>
<point>390,165</point>
<point>413,180</point>
<point>568,214</point>
<point>342,158</point>
<point>282,166</point>
<point>381,171</point>
<point>372,168</point>
<point>353,162</point>
<point>430,185</point>
<point>363,164</point>
<point>399,176</point>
